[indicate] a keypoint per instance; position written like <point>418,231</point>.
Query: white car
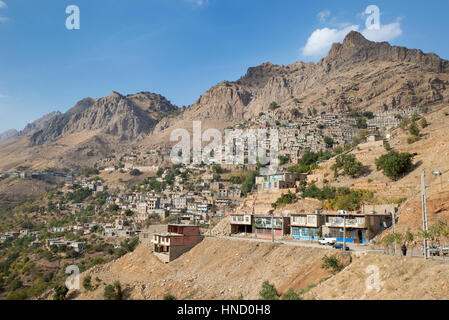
<point>328,241</point>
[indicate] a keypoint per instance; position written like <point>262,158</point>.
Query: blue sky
<point>179,48</point>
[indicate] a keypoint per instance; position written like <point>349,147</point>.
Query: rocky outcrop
<point>356,74</point>
<point>124,117</point>
<point>356,49</point>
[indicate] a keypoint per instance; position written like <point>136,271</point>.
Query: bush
<point>291,295</point>
<point>414,130</point>
<point>423,123</point>
<point>113,292</point>
<point>87,283</point>
<point>273,106</point>
<point>135,172</point>
<point>60,293</point>
<point>286,198</point>
<point>395,164</point>
<point>331,263</point>
<point>169,297</point>
<point>268,292</point>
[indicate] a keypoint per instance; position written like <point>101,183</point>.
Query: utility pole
<point>424,213</point>
<point>394,227</point>
<point>344,232</point>
<point>272,229</point>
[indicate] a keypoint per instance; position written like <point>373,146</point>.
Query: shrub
<point>286,198</point>
<point>113,292</point>
<point>273,106</point>
<point>291,295</point>
<point>414,130</point>
<point>268,292</point>
<point>60,293</point>
<point>423,122</point>
<point>331,262</point>
<point>87,283</point>
<point>169,297</point>
<point>135,172</point>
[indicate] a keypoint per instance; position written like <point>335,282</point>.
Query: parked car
<point>328,241</point>
<point>433,250</point>
<point>339,246</point>
<point>445,250</point>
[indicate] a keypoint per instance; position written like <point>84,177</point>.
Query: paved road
<point>297,243</point>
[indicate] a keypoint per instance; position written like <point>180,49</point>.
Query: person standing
<point>404,250</point>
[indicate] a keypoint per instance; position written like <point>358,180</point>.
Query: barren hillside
<point>215,269</point>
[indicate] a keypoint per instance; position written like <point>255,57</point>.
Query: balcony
<point>350,223</point>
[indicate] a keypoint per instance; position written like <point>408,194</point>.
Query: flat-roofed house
<point>178,239</point>
<point>241,223</point>
<point>276,182</point>
<point>360,227</point>
<point>306,226</point>
<point>267,226</point>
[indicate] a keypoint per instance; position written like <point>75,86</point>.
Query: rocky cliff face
<point>126,117</point>
<point>356,74</point>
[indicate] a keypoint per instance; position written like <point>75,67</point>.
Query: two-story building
<point>276,182</point>
<point>306,226</point>
<point>360,227</point>
<point>268,226</point>
<point>178,239</point>
<point>241,223</point>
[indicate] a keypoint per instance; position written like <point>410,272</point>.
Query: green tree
<point>329,142</point>
<point>394,164</point>
<point>349,164</point>
<point>361,123</point>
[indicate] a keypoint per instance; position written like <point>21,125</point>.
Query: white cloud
<point>323,15</point>
<point>3,5</point>
<point>385,33</point>
<point>321,40</point>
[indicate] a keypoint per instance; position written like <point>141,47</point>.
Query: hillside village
<point>362,138</point>
<point>170,210</point>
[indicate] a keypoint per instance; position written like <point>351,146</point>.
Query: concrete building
<point>242,223</point>
<point>360,227</point>
<point>276,182</point>
<point>306,226</point>
<point>178,239</point>
<point>267,226</point>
